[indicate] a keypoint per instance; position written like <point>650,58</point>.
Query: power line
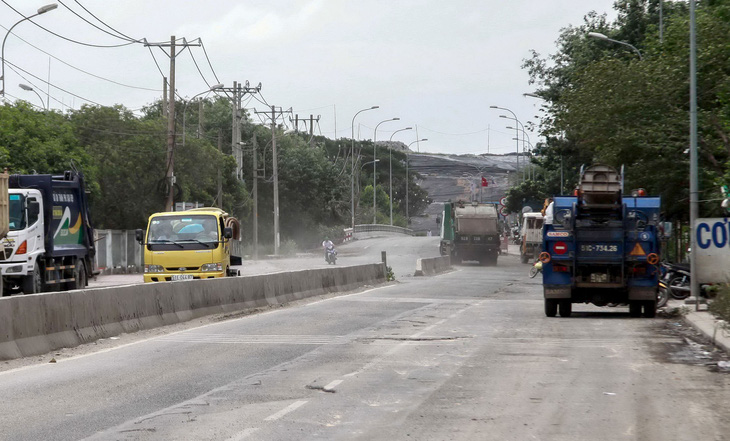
<point>206,57</point>
<point>66,38</point>
<point>97,27</point>
<point>102,22</point>
<point>50,84</point>
<point>77,68</point>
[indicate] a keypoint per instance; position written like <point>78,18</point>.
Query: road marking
<point>332,385</point>
<point>258,339</point>
<point>290,408</point>
<point>243,435</point>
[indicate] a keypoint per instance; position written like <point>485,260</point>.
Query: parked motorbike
<point>330,255</point>
<point>676,282</point>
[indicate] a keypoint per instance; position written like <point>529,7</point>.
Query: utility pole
<point>170,156</point>
<point>274,161</point>
<point>238,91</point>
<point>255,200</point>
<point>220,178</point>
<point>164,97</point>
<point>312,120</point>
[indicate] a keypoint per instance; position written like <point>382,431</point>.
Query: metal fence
<point>117,252</point>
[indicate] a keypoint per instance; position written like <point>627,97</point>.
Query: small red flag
<point>484,182</point>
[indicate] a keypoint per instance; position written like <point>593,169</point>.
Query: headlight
<point>211,267</point>
<point>15,269</point>
<point>153,268</point>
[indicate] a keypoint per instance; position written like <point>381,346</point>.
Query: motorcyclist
<point>327,245</point>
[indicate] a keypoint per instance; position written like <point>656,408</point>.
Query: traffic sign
<point>560,247</point>
<point>503,201</point>
<point>503,211</point>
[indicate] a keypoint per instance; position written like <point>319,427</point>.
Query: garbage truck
<point>601,246</point>
<point>470,231</point>
<point>50,241</point>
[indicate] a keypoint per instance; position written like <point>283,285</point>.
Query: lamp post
<point>41,10</point>
<point>600,36</point>
<point>390,174</point>
<point>408,149</point>
<point>360,169</point>
<point>524,134</point>
<point>212,88</point>
<point>352,166</point>
<point>26,87</point>
<point>516,132</point>
<point>375,147</point>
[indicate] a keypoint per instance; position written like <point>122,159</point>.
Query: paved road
<point>401,252</point>
<point>465,355</point>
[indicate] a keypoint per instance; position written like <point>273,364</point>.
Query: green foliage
<point>606,105</point>
<point>389,274</point>
<point>720,306</point>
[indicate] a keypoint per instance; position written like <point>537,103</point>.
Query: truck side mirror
<point>228,232</point>
<point>34,209</point>
<point>139,235</point>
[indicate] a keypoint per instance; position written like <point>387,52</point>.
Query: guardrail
<point>369,228</point>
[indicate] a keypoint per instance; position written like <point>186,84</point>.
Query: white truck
<point>50,241</point>
<point>531,236</point>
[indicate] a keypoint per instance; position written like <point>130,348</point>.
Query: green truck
<point>470,231</point>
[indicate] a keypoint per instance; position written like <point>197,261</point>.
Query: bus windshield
<point>184,229</point>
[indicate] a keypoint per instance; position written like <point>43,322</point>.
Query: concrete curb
<point>432,266</point>
<point>39,323</point>
<point>710,327</point>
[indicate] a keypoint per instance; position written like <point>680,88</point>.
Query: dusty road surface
<point>467,355</point>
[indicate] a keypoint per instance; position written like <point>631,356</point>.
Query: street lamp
<point>408,149</point>
<point>600,36</point>
<point>352,167</point>
<point>390,174</point>
<point>361,168</point>
<point>41,10</point>
<point>26,87</point>
<point>375,147</point>
<point>524,134</point>
<point>212,88</point>
<point>516,132</point>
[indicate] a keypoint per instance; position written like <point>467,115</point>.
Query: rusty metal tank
<point>600,184</point>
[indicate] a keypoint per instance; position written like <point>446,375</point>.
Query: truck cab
<point>531,236</point>
<point>186,245</point>
<point>49,245</point>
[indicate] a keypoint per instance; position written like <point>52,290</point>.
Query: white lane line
<point>243,435</point>
<point>332,385</point>
<point>290,408</point>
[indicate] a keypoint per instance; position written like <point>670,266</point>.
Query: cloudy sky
<point>436,64</point>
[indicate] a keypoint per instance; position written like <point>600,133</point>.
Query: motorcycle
<point>536,268</point>
<point>676,282</point>
<point>330,255</point>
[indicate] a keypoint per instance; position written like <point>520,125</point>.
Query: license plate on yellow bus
<point>182,277</point>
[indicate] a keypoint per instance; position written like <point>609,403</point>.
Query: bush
<point>721,305</point>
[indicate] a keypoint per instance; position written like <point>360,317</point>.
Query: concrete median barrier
<point>39,323</point>
<point>432,266</point>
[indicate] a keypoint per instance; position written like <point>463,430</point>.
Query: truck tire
<point>33,283</point>
<point>650,308</point>
<point>551,307</point>
<point>635,308</point>
<point>79,281</point>
<point>566,308</point>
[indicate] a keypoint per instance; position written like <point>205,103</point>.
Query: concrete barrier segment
<point>39,323</point>
<point>432,266</point>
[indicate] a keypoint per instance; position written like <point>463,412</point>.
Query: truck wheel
<point>551,307</point>
<point>566,308</point>
<point>33,283</point>
<point>635,308</point>
<point>79,281</point>
<point>650,309</point>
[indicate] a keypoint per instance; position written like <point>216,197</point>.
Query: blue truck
<point>601,247</point>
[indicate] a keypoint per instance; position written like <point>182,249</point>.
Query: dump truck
<point>190,244</point>
<point>470,231</point>
<point>531,236</point>
<point>50,240</point>
<point>602,247</point>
